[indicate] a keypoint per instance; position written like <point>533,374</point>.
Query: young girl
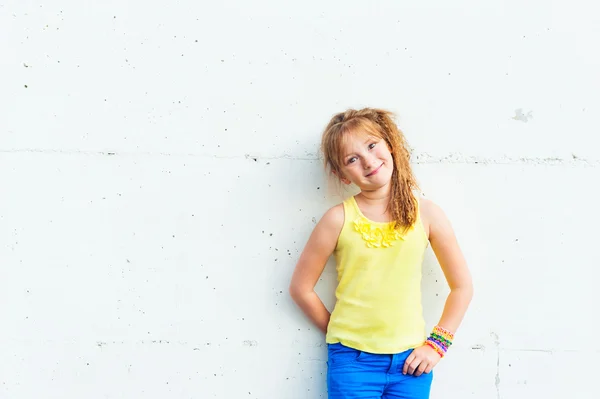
<point>378,346</point>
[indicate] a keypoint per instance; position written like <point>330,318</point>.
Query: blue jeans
<point>353,374</point>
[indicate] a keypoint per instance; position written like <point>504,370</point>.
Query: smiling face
<point>367,148</point>
<point>365,161</point>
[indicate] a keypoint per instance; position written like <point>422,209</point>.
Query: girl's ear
<point>342,178</point>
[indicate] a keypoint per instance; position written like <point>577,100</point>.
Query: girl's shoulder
<point>328,229</point>
<point>432,215</point>
<point>425,204</point>
<point>429,208</point>
<point>334,216</point>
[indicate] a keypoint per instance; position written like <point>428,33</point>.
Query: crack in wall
<point>497,379</point>
<point>549,351</point>
<point>458,158</point>
<point>419,159</point>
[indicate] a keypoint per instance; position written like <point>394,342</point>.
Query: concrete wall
<point>159,178</point>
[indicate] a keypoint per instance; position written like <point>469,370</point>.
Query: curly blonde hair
<point>379,123</point>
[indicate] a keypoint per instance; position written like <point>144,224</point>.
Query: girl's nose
<point>369,162</point>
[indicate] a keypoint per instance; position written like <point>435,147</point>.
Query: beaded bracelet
<point>440,340</point>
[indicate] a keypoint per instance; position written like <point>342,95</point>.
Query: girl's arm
<point>454,266</point>
<point>311,263</point>
<point>449,255</point>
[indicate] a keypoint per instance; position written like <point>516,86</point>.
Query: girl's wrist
<point>440,340</point>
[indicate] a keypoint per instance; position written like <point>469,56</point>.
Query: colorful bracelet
<point>435,347</point>
<point>440,340</point>
<point>442,331</point>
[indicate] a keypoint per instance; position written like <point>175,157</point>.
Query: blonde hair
<point>379,123</point>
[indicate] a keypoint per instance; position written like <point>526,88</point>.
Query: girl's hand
<point>422,360</point>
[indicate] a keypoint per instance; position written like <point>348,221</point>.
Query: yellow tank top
<point>378,298</point>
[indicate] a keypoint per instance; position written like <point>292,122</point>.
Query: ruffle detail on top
<point>377,236</point>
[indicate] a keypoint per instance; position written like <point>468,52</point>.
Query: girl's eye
<point>351,160</point>
<point>372,145</point>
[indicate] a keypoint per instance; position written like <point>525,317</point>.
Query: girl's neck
<point>378,196</point>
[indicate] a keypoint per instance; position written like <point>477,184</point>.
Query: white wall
<point>159,178</point>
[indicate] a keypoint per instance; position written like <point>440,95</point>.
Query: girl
<point>378,346</point>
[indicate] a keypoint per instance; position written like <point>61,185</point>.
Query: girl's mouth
<point>375,171</point>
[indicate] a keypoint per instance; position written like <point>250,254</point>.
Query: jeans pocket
<point>340,355</point>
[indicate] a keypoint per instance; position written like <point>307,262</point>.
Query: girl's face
<point>366,161</point>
